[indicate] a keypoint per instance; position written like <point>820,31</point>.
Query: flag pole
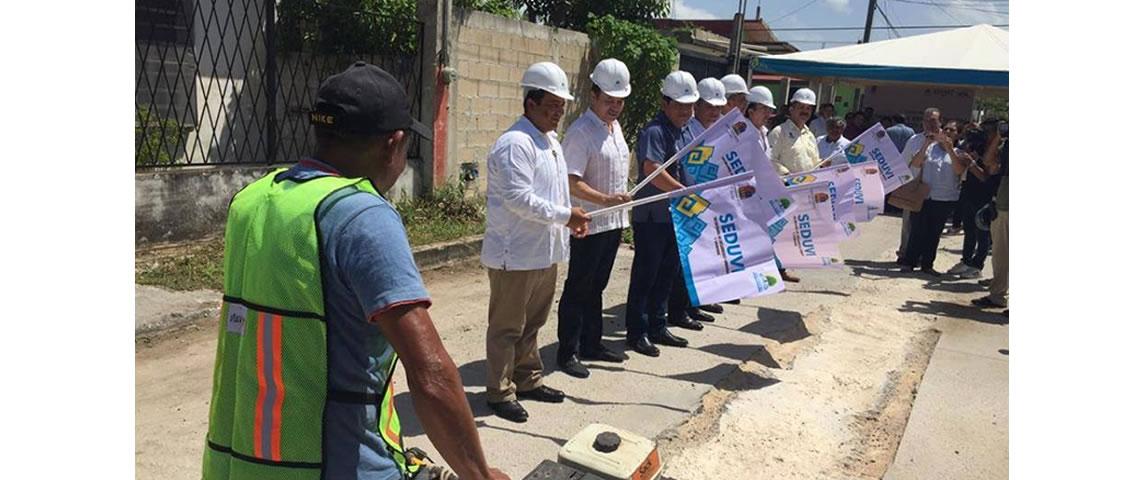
<point>720,182</point>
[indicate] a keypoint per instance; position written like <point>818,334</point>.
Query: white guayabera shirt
<point>528,201</point>
<point>601,159</point>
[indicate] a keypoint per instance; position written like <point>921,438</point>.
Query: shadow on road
<point>586,401</point>
<point>875,270</point>
<point>780,325</point>
<point>947,309</point>
<point>952,286</point>
<point>557,441</point>
<point>742,353</point>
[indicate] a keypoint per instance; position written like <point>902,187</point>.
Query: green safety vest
<point>270,389</point>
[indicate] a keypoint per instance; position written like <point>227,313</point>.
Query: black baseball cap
<point>364,100</point>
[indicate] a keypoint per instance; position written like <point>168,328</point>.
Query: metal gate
<point>231,81</point>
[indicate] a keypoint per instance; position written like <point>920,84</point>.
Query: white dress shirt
<point>528,201</point>
<point>819,127</point>
<point>827,147</point>
<point>600,157</point>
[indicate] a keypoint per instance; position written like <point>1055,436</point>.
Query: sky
<point>848,13</point>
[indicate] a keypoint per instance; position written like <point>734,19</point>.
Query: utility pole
<point>737,37</point>
<point>870,18</point>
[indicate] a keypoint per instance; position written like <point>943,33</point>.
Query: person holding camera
<point>978,190</point>
<point>940,167</point>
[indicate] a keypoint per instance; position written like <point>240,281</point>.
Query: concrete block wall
<point>490,53</point>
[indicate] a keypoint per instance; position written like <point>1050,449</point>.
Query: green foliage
<point>193,266</point>
<point>650,57</point>
<point>156,139</point>
<point>576,14</point>
<point>502,8</point>
<point>448,213</point>
<point>995,107</point>
<point>347,26</point>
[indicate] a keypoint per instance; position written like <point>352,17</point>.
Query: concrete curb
<point>157,309</point>
<point>442,254</point>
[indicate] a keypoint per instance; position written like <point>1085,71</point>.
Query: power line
<point>941,6</point>
<point>902,27</point>
<point>889,24</point>
<point>793,12</point>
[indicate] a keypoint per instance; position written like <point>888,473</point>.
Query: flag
<point>840,184</point>
<point>857,193</point>
<point>809,237</point>
<point>723,243</point>
<point>875,146</point>
<point>732,146</point>
<point>868,197</point>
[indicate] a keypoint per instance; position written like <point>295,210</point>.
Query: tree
<point>649,55</point>
<point>576,14</point>
<point>347,26</point>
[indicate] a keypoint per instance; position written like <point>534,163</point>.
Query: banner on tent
<point>723,245</point>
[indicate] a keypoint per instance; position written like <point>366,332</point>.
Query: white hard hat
<point>681,87</point>
<point>760,94</point>
<point>712,92</point>
<point>804,96</point>
<point>734,83</point>
<point>549,77</point>
<point>612,77</point>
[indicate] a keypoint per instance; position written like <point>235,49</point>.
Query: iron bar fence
<point>232,81</point>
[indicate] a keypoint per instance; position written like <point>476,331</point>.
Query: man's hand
<point>579,222</point>
<point>944,142</point>
<point>616,199</point>
<point>497,474</point>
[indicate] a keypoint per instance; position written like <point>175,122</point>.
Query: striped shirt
<point>601,159</point>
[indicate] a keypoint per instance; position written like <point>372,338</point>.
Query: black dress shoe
<point>509,410</point>
<point>931,271</point>
<point>644,347</point>
<point>543,394</point>
<point>574,368</point>
<point>697,314</point>
<point>665,338</point>
<point>603,354</point>
<point>733,302</point>
<point>686,323</point>
<point>714,308</point>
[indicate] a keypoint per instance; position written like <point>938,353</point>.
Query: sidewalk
<point>959,426</point>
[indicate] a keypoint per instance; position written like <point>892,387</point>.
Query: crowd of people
<point>337,298</point>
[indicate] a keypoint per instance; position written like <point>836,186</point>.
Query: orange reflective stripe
<point>279,399</point>
<point>258,421</point>
<point>390,414</point>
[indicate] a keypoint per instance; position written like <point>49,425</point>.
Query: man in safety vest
<point>322,297</point>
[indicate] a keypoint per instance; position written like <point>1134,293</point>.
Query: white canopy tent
<point>976,57</point>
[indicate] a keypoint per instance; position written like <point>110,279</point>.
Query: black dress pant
<point>925,233</point>
<point>580,307</point>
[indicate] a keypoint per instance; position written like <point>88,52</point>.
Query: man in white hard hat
<point>597,161</point>
<point>655,259</point>
<point>793,147</point>
<point>737,91</point>
<point>760,109</point>
<point>529,220</point>
<point>705,113</point>
<point>708,108</point>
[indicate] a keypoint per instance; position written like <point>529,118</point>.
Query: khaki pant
<point>519,305</point>
<point>999,230</point>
